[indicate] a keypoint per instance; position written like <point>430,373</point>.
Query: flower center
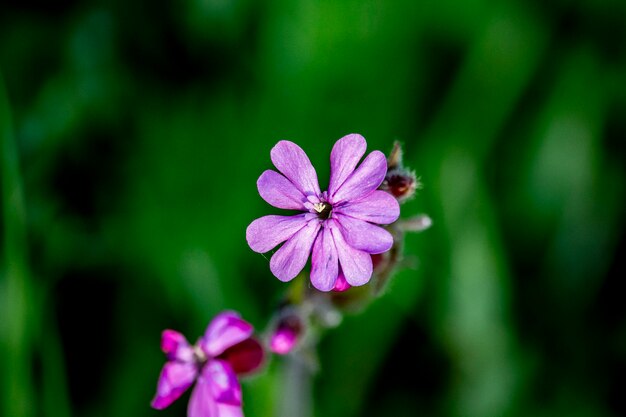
<point>199,356</point>
<point>323,210</point>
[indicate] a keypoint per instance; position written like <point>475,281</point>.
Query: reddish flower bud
<point>400,183</point>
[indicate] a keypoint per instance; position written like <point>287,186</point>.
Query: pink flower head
<point>338,227</point>
<point>226,349</point>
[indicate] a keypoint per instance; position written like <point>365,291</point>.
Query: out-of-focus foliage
<point>132,137</point>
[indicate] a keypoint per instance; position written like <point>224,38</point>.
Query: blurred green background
<point>133,134</point>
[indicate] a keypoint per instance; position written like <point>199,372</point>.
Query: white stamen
<point>199,353</point>
<point>319,207</point>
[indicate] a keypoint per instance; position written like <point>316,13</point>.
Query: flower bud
<point>286,335</point>
<point>341,284</point>
<point>399,181</point>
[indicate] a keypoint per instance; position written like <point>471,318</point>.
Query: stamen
<point>323,210</point>
<point>199,354</point>
<point>319,207</point>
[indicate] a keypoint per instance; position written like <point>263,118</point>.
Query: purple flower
<point>338,227</point>
<point>225,350</point>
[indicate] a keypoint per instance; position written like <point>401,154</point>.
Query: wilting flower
<point>338,227</point>
<point>225,350</point>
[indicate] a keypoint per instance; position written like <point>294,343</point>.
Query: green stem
<point>15,289</point>
<point>295,397</point>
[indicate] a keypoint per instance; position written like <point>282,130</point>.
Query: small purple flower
<point>338,227</point>
<point>225,350</point>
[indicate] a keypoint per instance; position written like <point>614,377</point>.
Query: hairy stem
<point>295,397</point>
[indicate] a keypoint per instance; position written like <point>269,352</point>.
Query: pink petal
<point>201,402</point>
<point>363,235</point>
<point>341,284</point>
<point>174,380</point>
<point>227,410</point>
<point>344,157</point>
<point>225,330</point>
<point>324,261</point>
<point>176,346</point>
<point>365,179</point>
<point>290,259</point>
<point>279,191</point>
<point>377,207</point>
<point>224,385</point>
<point>355,264</point>
<point>244,357</point>
<point>293,163</point>
<point>267,232</point>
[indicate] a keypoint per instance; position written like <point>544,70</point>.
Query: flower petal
<point>279,191</point>
<point>267,232</point>
<point>365,179</point>
<point>341,284</point>
<point>201,402</point>
<point>324,261</point>
<point>174,380</point>
<point>355,264</point>
<point>290,259</point>
<point>293,163</point>
<point>223,381</point>
<point>227,410</point>
<point>244,357</point>
<point>363,235</point>
<point>176,346</point>
<point>225,330</point>
<point>377,207</point>
<point>344,157</point>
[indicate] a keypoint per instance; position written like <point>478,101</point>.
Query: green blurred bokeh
<point>133,134</point>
